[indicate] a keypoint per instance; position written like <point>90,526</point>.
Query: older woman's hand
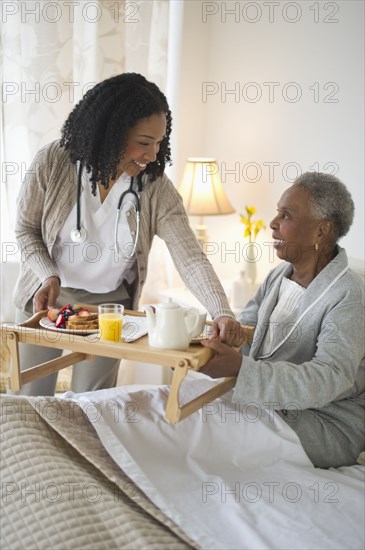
<point>225,362</point>
<point>228,330</point>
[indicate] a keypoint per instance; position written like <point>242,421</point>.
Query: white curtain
<point>52,53</point>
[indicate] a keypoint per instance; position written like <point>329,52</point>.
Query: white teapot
<point>171,326</point>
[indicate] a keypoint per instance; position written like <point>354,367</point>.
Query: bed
<point>106,470</point>
<point>61,489</point>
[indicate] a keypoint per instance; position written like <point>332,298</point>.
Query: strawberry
<point>53,314</point>
<point>84,313</point>
<point>68,306</point>
<point>60,321</point>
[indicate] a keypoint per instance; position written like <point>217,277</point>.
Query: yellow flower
<point>247,232</point>
<point>252,227</point>
<point>257,226</point>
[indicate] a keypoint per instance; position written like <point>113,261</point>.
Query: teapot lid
<point>169,304</point>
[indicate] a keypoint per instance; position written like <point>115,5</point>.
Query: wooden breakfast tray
<point>85,347</point>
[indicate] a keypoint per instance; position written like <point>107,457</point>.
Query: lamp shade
<point>202,190</point>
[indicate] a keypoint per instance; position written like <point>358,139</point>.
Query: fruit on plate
<point>60,317</point>
<point>60,321</point>
<point>84,313</point>
<point>52,314</point>
<point>68,317</point>
<point>68,306</point>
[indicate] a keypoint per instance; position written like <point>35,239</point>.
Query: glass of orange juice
<point>111,322</point>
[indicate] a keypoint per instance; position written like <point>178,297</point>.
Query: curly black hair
<point>96,131</point>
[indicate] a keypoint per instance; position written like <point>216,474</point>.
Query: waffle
<point>88,322</point>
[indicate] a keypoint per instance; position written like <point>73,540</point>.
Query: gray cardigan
<point>320,366</point>
<point>46,198</point>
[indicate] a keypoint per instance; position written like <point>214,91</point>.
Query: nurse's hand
<point>228,330</point>
<point>225,362</point>
<point>47,294</point>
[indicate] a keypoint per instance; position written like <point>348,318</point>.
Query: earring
<point>316,246</point>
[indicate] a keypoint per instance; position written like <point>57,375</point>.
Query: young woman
<point>87,214</point>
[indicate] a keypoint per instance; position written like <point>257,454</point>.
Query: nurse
<point>88,211</point>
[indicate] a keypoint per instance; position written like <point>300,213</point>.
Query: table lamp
<point>202,192</point>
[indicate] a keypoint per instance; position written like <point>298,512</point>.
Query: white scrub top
<point>93,265</point>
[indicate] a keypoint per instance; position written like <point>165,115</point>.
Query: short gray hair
<point>330,200</point>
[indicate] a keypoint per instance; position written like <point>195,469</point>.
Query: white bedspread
<point>230,477</point>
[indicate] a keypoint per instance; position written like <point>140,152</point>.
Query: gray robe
<point>314,376</point>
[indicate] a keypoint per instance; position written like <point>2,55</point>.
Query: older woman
<point>306,361</point>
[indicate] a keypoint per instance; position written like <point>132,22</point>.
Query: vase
<point>251,256</point>
<point>240,291</point>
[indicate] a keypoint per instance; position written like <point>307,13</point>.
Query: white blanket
<point>231,477</point>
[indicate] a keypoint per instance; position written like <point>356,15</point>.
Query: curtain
<point>53,52</point>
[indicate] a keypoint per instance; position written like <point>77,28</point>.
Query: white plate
<point>50,325</point>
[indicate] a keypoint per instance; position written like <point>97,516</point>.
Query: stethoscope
<point>78,234</point>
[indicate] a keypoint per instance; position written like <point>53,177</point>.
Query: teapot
<point>171,326</point>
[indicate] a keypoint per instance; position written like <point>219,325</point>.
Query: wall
<point>296,70</point>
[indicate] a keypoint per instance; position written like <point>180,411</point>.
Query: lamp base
<point>201,234</point>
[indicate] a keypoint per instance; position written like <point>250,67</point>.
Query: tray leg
<point>14,378</point>
<point>17,378</point>
<point>174,412</point>
<point>208,396</point>
<point>173,409</point>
